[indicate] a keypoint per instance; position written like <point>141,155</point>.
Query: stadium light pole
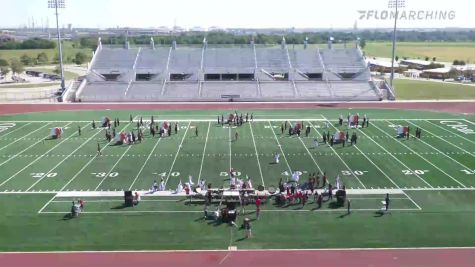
<point>396,4</point>
<point>59,4</point>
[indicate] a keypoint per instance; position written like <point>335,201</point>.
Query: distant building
<point>385,66</point>
<point>440,73</point>
<point>420,64</point>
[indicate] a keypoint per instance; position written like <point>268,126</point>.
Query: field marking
<point>10,132</point>
<point>400,162</point>
<point>113,166</point>
<point>77,174</point>
<point>32,145</point>
<point>230,149</point>
<point>296,118</point>
<point>26,136</point>
<point>280,146</point>
<point>31,163</point>
<point>441,151</point>
<point>309,153</point>
<point>121,200</point>
<point>226,250</point>
<point>473,142</point>
<point>44,176</point>
<point>145,163</point>
<point>412,200</point>
<point>473,123</point>
<point>200,211</point>
<point>177,152</point>
<point>334,151</point>
<point>400,142</point>
<point>469,153</point>
<point>204,151</point>
<point>257,154</point>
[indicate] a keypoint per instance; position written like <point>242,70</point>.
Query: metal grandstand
<point>241,73</point>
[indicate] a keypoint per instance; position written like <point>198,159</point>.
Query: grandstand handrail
<point>321,60</point>
<point>67,92</point>
<point>80,89</point>
<point>94,56</point>
<point>329,86</point>
<point>390,90</point>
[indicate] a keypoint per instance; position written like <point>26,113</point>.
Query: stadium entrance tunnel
<point>314,76</point>
<point>145,76</point>
<point>347,75</point>
<point>111,76</point>
<point>179,76</point>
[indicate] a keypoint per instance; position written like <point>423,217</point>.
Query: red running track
<point>456,107</point>
<point>302,258</point>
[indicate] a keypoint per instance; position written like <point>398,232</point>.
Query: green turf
<point>442,51</point>
<point>68,53</point>
<point>420,89</point>
<point>436,173</point>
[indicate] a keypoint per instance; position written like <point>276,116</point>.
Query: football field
<point>430,180</point>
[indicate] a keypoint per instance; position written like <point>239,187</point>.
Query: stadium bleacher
<point>246,73</point>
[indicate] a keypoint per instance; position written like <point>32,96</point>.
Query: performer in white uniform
<point>276,158</point>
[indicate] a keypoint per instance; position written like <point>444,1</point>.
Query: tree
<point>397,58</point>
<point>427,58</point>
<point>42,58</point>
<point>57,70</point>
<point>3,63</point>
<point>4,70</point>
<point>80,58</point>
<point>16,66</point>
<point>362,43</point>
<point>454,73</point>
<point>26,60</point>
<point>434,59</point>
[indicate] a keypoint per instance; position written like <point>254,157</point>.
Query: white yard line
<point>308,152</point>
<point>334,151</point>
<point>441,151</point>
<point>25,136</point>
<point>280,147</point>
<point>278,119</point>
<point>176,155</point>
<point>76,175</point>
<point>469,153</point>
<point>410,149</point>
<point>230,149</point>
<point>19,153</point>
<point>67,157</point>
<point>121,200</point>
<point>473,123</point>
<point>412,200</point>
<point>400,162</point>
<point>14,130</point>
<point>113,166</point>
<point>31,163</point>
<point>204,151</point>
<point>145,163</point>
<point>257,154</point>
<point>200,211</point>
<point>473,142</point>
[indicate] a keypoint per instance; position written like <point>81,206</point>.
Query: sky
<point>229,13</point>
